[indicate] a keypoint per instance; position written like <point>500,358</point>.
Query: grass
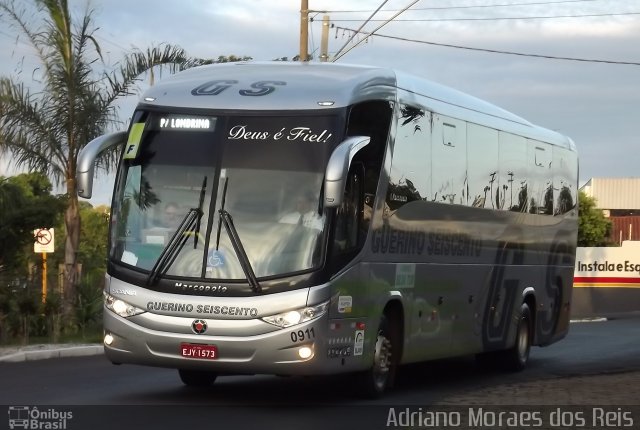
<point>91,335</point>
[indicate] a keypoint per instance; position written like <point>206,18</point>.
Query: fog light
<point>108,339</point>
<point>305,352</point>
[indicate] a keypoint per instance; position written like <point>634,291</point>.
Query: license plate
<point>193,350</point>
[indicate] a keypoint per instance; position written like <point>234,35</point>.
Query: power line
<point>336,57</point>
<point>19,40</point>
<point>110,42</point>
<point>464,7</point>
<point>495,51</point>
<point>311,39</point>
<point>361,27</point>
<point>500,18</point>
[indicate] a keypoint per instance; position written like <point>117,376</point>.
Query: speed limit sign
<point>43,240</point>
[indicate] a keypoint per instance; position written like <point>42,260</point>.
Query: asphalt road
<point>594,355</point>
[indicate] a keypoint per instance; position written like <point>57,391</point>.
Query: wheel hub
<point>382,360</point>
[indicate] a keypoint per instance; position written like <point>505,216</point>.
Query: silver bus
<point>307,219</point>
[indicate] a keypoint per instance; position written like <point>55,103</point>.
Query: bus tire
<point>380,377</point>
<point>516,358</point>
<point>197,378</point>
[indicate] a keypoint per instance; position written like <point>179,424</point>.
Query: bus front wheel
<point>197,378</point>
<point>375,381</point>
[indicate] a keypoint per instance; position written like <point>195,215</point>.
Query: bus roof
<point>304,86</point>
<point>298,86</point>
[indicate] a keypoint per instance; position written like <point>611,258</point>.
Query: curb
<point>587,320</point>
<point>43,354</point>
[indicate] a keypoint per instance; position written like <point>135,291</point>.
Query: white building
<point>619,198</point>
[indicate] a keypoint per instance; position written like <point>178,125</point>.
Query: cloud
<point>595,104</point>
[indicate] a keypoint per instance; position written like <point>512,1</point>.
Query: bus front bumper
<point>316,347</point>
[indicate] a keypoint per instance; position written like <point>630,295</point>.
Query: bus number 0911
<point>302,335</point>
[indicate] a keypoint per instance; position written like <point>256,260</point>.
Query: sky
<point>596,103</point>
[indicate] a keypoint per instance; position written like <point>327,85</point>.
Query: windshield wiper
<point>190,223</point>
<point>176,243</point>
<point>224,198</point>
<point>225,218</point>
<point>196,233</point>
<point>239,249</point>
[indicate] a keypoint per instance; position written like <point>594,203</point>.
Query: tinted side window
<point>449,164</point>
<point>482,150</point>
<point>410,177</point>
<point>511,190</point>
<point>565,167</point>
<point>540,178</point>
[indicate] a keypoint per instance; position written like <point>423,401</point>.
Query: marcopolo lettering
<point>201,288</point>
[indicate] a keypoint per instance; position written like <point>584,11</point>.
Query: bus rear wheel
<point>516,358</point>
<point>197,378</point>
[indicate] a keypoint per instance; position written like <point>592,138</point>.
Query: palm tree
<point>45,131</point>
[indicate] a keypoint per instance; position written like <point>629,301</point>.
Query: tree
<point>593,228</point>
<point>92,252</point>
<point>93,256</point>
<point>26,204</point>
<point>45,131</point>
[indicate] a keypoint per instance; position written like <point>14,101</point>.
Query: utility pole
<point>324,44</point>
<point>304,30</point>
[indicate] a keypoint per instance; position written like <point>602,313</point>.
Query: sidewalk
<point>41,352</point>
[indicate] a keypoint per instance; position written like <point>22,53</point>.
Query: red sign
<point>43,240</point>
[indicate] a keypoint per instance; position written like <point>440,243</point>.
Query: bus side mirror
<point>336,174</point>
<point>87,159</point>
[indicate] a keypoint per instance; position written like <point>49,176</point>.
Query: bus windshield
<point>179,173</point>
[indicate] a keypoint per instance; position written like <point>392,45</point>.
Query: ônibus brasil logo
<point>30,417</point>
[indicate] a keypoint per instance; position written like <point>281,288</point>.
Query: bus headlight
<point>120,307</point>
<point>297,316</point>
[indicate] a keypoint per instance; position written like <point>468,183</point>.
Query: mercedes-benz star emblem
<point>199,326</point>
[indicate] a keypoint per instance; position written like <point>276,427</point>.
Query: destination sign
<point>186,123</point>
